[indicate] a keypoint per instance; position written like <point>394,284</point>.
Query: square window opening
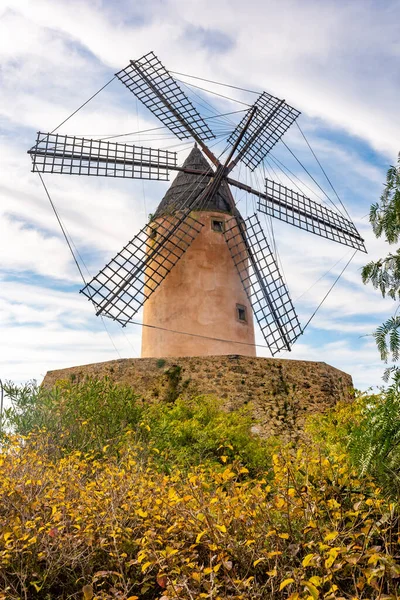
<point>153,233</point>
<point>241,313</point>
<point>218,225</point>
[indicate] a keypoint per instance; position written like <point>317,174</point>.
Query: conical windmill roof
<point>187,187</point>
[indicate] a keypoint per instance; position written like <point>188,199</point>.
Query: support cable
<point>73,253</point>
<point>84,104</point>
<point>280,165</point>
<point>62,228</point>
<point>322,169</point>
<point>309,174</point>
<point>329,291</point>
<point>215,93</point>
<point>234,87</point>
<point>109,137</point>
<point>322,277</point>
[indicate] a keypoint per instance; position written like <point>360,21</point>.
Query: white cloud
<point>328,59</point>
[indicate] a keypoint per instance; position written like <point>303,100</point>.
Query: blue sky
<point>337,62</point>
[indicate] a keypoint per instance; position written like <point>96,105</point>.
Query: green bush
<point>93,414</point>
<point>374,442</point>
<point>196,431</point>
<point>78,416</point>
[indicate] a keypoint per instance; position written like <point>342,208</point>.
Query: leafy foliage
<point>384,216</point>
<point>368,430</point>
<point>116,527</point>
<point>384,274</point>
<point>78,416</point>
<point>182,502</point>
<point>375,441</point>
<point>91,414</point>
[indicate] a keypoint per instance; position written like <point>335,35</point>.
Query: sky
<point>335,61</point>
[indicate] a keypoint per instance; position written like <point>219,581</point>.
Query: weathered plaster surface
<point>199,296</point>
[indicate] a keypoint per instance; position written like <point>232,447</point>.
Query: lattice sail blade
<point>272,119</point>
<point>120,289</point>
<point>155,87</point>
<point>302,212</point>
<point>263,283</point>
<point>54,153</point>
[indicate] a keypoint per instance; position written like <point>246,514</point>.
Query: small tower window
<point>241,313</point>
<point>218,225</point>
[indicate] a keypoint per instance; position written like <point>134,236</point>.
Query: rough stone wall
<point>281,393</point>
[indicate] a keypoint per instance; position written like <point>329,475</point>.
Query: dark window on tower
<point>218,225</point>
<point>241,313</point>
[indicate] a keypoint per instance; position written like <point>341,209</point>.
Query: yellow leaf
<point>196,576</point>
<point>133,598</point>
<point>217,567</point>
<point>284,536</point>
<point>105,447</point>
<point>7,535</point>
<point>221,528</point>
<point>87,592</point>
<point>256,562</point>
<point>200,535</point>
<point>331,536</point>
<point>141,513</point>
<point>207,571</point>
<point>333,552</point>
<point>224,459</point>
<point>317,581</point>
<point>285,582</point>
<point>272,573</point>
<point>312,589</point>
<point>307,559</point>
<point>146,565</point>
<point>243,470</point>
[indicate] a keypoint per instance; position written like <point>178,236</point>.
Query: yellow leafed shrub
<point>116,526</point>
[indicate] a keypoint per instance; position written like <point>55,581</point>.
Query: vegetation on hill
<point>102,496</point>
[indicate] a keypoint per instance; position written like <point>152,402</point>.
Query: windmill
<point>199,269</point>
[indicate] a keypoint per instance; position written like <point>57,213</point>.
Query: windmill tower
<point>203,294</point>
<point>199,269</point>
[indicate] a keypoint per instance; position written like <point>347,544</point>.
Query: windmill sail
<point>120,289</point>
<point>153,85</point>
<point>271,120</point>
<point>263,283</point>
<point>54,153</point>
<point>298,210</point>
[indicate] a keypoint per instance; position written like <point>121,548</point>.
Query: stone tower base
<point>281,393</point>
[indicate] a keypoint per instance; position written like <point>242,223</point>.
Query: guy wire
<point>329,291</point>
<point>322,169</point>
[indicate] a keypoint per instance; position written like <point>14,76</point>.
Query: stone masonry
<point>280,393</point>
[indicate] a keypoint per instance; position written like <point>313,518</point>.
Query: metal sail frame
<point>121,288</point>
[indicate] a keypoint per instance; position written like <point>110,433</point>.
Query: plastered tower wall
<point>201,295</point>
